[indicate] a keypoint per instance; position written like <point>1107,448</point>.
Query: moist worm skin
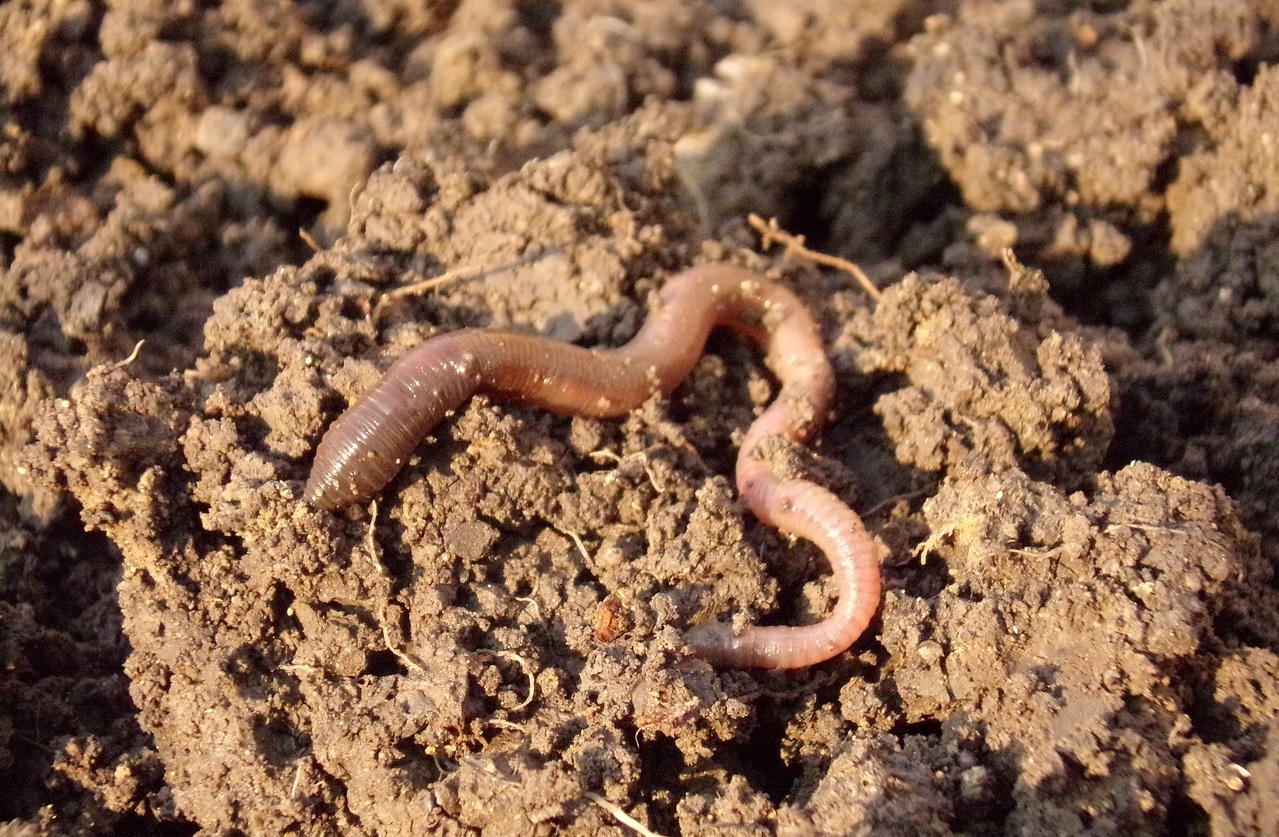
<point>368,444</point>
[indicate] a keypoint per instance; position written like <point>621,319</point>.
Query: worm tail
<point>813,513</point>
<point>368,444</point>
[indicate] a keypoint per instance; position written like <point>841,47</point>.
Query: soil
<point>1060,420</point>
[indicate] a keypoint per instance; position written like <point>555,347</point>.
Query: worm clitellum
<point>368,444</point>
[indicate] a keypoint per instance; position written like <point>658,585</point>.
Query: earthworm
<point>367,445</point>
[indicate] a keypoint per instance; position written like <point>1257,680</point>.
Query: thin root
<point>770,233</point>
<point>309,240</point>
<point>465,272</point>
<point>133,355</point>
<point>609,456</point>
<point>621,816</point>
<point>577,539</point>
<point>409,663</point>
<point>527,668</point>
<point>371,544</point>
<point>530,601</point>
<point>896,498</point>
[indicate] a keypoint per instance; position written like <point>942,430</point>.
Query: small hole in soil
<point>759,759</point>
<point>1245,71</point>
<point>1165,173</point>
<point>1185,817</point>
<point>923,729</point>
<point>804,217</point>
<point>383,664</point>
<point>538,17</point>
<point>306,211</point>
<point>663,767</point>
<point>323,277</point>
<point>278,739</point>
<point>8,246</point>
<point>133,824</point>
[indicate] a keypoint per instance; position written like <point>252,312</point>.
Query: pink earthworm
<point>367,445</point>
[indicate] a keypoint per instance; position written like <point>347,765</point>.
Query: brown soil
<point>1070,454</point>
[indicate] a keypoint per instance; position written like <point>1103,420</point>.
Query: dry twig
<point>770,233</point>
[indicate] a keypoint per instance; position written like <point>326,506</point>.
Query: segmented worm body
<point>368,444</point>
